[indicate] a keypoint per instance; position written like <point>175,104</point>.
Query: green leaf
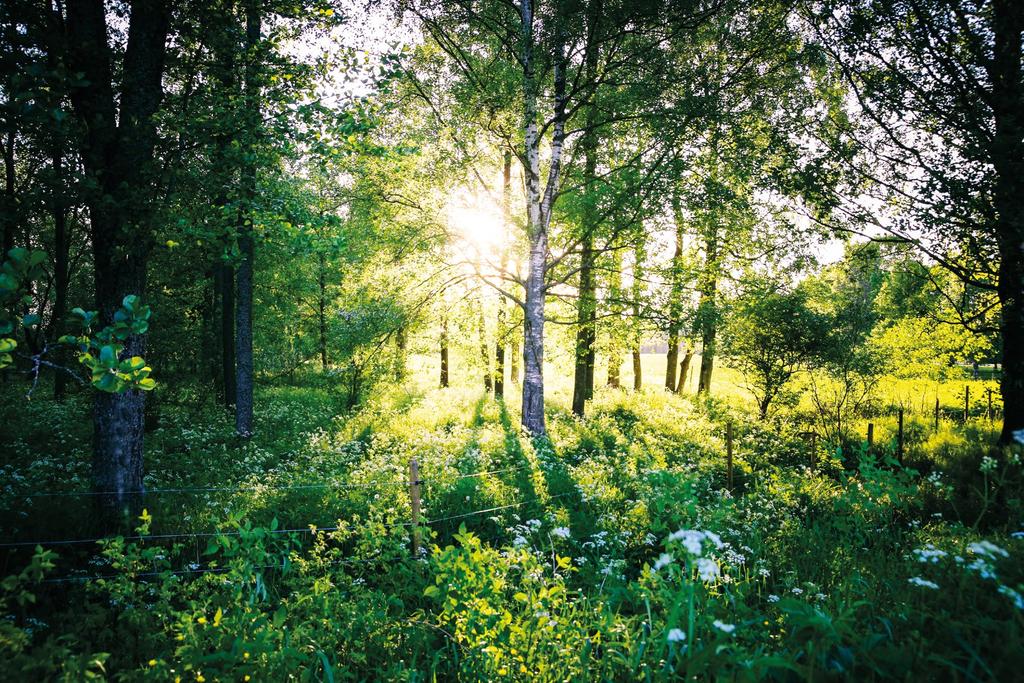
<point>130,302</point>
<point>7,345</point>
<point>30,320</point>
<point>146,384</point>
<point>108,382</point>
<point>279,617</point>
<point>108,357</point>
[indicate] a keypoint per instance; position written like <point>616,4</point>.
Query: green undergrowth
<point>616,549</point>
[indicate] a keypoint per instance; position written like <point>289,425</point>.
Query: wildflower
<point>663,560</point>
<point>988,464</point>
<point>923,583</point>
<point>724,627</point>
<point>987,549</point>
<point>561,532</point>
<point>929,553</point>
<point>1016,597</point>
<point>707,569</point>
<point>691,540</point>
<point>676,635</point>
<point>984,569</point>
<point>1017,534</point>
<point>1018,436</point>
<point>798,591</point>
<point>773,598</point>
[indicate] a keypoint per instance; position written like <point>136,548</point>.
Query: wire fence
<point>313,529</point>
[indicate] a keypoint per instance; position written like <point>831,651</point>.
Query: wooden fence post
<point>899,438</point>
<point>728,451</point>
<point>871,434</point>
<point>936,414</point>
<point>989,392</point>
<point>967,402</point>
<point>414,497</point>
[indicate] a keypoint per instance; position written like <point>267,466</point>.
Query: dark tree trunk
<point>675,303</point>
<point>243,304</point>
<point>502,329</point>
<point>671,361</point>
<point>444,353</point>
<point>10,217</point>
<point>117,153</point>
<point>513,359</point>
<point>708,310</point>
<point>684,370</point>
<point>637,294</point>
<point>401,341</point>
<point>499,354</point>
<point>322,312</point>
<point>226,282</point>
<point>1008,197</point>
<point>61,265</point>
<point>485,357</point>
<point>586,305</point>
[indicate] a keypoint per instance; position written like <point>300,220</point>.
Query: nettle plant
<point>101,351</point>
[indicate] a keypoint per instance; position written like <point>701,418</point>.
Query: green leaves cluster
<point>17,273</point>
<point>102,352</point>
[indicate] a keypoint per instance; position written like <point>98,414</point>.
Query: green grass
<point>816,574</point>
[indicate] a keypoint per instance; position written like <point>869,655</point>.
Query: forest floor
<point>617,549</point>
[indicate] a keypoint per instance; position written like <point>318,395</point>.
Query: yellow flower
<point>245,655</point>
<point>247,677</point>
<point>152,662</point>
<point>201,620</point>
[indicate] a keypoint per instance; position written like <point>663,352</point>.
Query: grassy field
<point>616,550</point>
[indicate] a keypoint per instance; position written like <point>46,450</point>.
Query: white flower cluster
<point>987,549</point>
<point>561,532</point>
<point>929,553</point>
<point>923,583</point>
<point>988,464</point>
<point>693,540</point>
<point>724,627</point>
<point>676,635</point>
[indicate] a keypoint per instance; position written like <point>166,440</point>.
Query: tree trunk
<point>675,303</point>
<point>401,342</point>
<point>117,153</point>
<point>243,304</point>
<point>444,353</point>
<point>615,328</point>
<point>485,357</point>
<point>538,212</point>
<point>322,309</point>
<point>583,380</point>
<point>639,256</point>
<point>513,359</point>
<point>708,310</point>
<point>1008,197</point>
<point>226,284</point>
<point>684,369</point>
<point>502,328</point>
<point>10,217</point>
<point>61,266</point>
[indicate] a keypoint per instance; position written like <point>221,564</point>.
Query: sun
<point>478,228</point>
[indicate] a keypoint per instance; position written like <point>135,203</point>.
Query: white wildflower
<point>773,598</point>
<point>676,635</point>
<point>561,532</point>
<point>724,627</point>
<point>1018,436</point>
<point>707,569</point>
<point>923,583</point>
<point>987,549</point>
<point>663,560</point>
<point>988,464</point>
<point>1015,596</point>
<point>929,553</point>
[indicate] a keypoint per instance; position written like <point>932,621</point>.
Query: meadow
<point>613,550</point>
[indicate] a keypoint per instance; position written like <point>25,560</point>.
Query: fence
<point>415,523</point>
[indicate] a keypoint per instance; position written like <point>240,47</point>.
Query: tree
<point>771,336</point>
<point>117,151</point>
<point>933,129</point>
